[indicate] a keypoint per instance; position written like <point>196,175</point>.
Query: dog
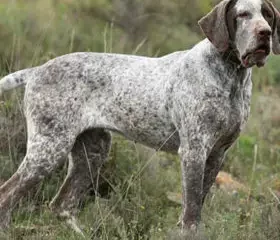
<point>193,102</point>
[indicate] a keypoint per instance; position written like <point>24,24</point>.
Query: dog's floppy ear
<point>215,28</point>
<point>276,30</point>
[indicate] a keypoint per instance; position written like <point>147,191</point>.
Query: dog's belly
<point>161,140</point>
<point>151,130</point>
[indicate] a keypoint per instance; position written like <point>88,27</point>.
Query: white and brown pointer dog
<point>192,102</point>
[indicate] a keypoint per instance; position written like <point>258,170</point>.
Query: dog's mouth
<point>256,56</point>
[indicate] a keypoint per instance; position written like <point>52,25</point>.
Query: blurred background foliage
<point>34,31</point>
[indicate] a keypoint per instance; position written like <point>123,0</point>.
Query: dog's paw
<point>191,226</point>
<point>187,231</point>
<point>73,223</point>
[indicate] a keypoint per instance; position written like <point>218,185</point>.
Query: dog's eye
<point>243,15</point>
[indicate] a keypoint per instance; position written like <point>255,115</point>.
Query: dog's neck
<point>231,56</point>
<point>226,65</point>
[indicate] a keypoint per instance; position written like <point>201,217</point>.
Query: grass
<point>134,203</point>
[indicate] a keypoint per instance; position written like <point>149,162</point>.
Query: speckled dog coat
<point>193,102</point>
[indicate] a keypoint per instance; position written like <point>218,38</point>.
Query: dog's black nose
<point>263,33</point>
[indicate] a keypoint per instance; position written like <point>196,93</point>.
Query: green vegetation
<point>136,205</point>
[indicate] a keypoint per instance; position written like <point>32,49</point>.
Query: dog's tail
<point>15,80</point>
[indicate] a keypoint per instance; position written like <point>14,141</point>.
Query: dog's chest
<point>236,111</point>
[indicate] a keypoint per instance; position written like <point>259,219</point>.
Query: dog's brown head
<point>250,28</point>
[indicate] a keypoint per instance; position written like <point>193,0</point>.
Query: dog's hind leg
<point>90,151</point>
<point>45,152</point>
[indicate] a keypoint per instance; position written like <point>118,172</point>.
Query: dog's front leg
<point>193,159</point>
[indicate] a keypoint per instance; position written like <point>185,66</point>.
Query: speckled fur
<point>194,102</point>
